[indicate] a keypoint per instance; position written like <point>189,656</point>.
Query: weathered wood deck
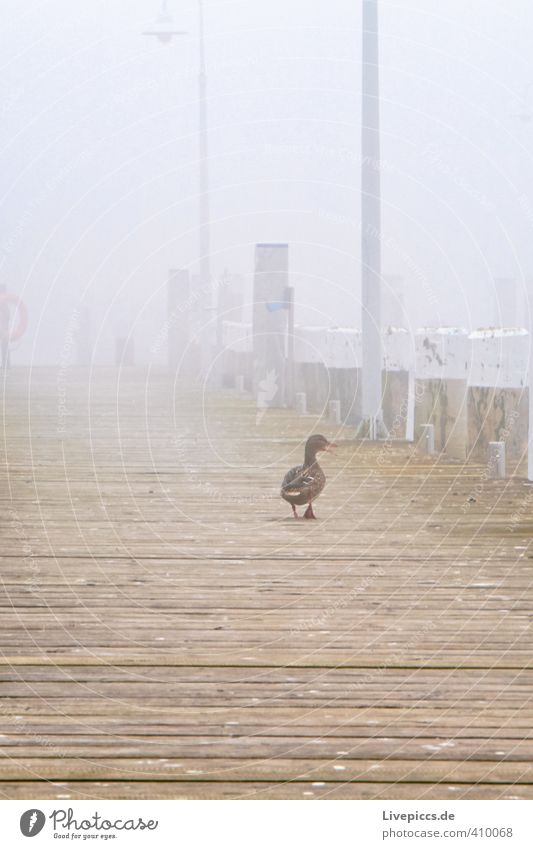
<point>168,631</point>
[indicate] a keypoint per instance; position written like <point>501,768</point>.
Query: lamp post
<point>164,30</point>
<point>205,264</point>
<point>371,226</point>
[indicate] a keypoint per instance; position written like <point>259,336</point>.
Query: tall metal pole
<point>208,333</point>
<point>371,225</point>
<point>205,262</point>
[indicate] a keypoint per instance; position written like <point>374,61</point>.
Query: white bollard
<point>334,412</point>
<point>300,403</point>
<point>427,440</point>
<point>496,462</point>
<point>239,383</point>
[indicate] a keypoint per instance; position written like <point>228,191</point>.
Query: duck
<point>303,484</point>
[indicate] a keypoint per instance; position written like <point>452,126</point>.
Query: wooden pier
<point>169,631</point>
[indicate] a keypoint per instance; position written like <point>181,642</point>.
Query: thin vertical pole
<point>204,222</point>
<point>205,264</point>
<point>371,224</point>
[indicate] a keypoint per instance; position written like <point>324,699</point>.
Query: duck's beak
<point>330,445</point>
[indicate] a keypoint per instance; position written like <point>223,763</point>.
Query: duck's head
<point>317,443</point>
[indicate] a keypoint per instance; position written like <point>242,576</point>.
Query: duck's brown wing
<point>297,481</point>
<point>290,477</point>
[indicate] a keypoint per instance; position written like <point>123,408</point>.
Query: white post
<point>334,412</point>
<point>496,460</point>
<point>300,403</point>
<point>428,438</point>
<point>239,383</point>
<point>371,225</point>
<point>411,401</point>
<point>530,434</point>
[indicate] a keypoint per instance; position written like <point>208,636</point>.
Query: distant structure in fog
<point>371,225</point>
<point>230,299</point>
<point>5,319</point>
<point>124,351</point>
<point>84,336</point>
<point>8,332</point>
<point>270,323</point>
<point>178,316</point>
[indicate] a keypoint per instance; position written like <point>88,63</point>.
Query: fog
<point>99,159</point>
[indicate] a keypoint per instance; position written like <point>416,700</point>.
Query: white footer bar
<point>266,824</point>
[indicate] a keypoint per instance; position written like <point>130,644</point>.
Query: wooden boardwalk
<point>168,631</point>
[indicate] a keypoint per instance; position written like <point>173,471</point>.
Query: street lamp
<point>163,26</point>
<point>164,30</point>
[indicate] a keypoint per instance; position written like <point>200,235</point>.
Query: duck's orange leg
<point>294,513</point>
<point>309,512</point>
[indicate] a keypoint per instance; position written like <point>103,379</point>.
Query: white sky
<point>98,154</point>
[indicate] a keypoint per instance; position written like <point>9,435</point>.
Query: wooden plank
<point>237,746</point>
<point>276,769</point>
<point>310,791</point>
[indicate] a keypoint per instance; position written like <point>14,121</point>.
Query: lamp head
<point>163,27</point>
